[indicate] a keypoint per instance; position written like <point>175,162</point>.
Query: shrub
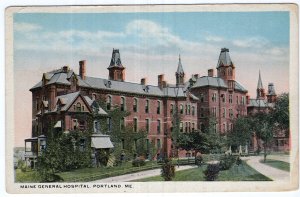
<point>212,172</point>
<point>199,160</point>
<point>22,165</point>
<point>168,170</point>
<point>138,162</point>
<point>238,161</point>
<point>226,162</point>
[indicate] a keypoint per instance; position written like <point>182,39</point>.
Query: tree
<point>168,170</point>
<point>263,126</point>
<point>280,113</point>
<point>241,132</point>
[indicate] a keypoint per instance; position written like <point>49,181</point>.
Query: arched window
<point>108,103</point>
<point>135,104</point>
<point>186,127</point>
<point>122,104</point>
<point>193,110</point>
<point>189,109</point>
<point>158,107</point>
<point>181,109</point>
<point>229,71</point>
<point>147,106</point>
<point>78,106</point>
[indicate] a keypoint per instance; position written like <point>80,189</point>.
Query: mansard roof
<point>216,82</point>
<point>115,59</point>
<point>224,58</point>
<point>259,103</point>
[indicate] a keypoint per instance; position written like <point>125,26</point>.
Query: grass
<point>27,177</point>
<point>277,164</point>
<point>236,173</point>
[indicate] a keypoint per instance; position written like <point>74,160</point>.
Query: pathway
<point>273,173</point>
<point>139,175</point>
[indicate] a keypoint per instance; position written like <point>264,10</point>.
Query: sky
<point>149,44</point>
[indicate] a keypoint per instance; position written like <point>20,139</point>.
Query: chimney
<point>196,76</point>
<point>160,81</point>
<point>65,69</point>
<point>144,81</point>
<point>164,84</point>
<point>247,99</point>
<point>82,69</point>
<point>210,72</point>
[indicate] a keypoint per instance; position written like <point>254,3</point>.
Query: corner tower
<point>179,74</point>
<point>116,69</point>
<point>225,67</point>
<point>271,96</point>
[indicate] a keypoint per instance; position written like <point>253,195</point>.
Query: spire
<point>115,59</point>
<point>259,84</point>
<point>179,68</point>
<point>224,58</point>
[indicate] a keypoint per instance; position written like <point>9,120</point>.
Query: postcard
<point>152,98</point>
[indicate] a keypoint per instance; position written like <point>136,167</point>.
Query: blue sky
<point>149,44</point>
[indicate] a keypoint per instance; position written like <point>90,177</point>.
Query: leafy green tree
<point>168,170</point>
<point>241,132</point>
<point>280,113</point>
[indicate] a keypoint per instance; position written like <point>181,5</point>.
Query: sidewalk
<point>138,175</point>
<point>273,173</point>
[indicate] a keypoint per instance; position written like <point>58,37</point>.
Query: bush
<point>226,162</point>
<point>212,172</point>
<point>22,165</point>
<point>168,170</point>
<point>138,162</point>
<point>238,161</point>
<point>199,160</point>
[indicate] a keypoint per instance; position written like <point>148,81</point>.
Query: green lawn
<point>277,164</point>
<point>27,177</point>
<point>236,173</point>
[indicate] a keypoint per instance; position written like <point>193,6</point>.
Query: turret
<point>225,67</point>
<point>116,69</point>
<point>179,74</point>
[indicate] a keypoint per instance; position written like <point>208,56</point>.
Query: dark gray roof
<point>258,103</point>
<point>259,83</point>
<point>271,89</point>
<point>115,59</point>
<point>216,82</point>
<point>67,100</point>
<point>179,68</point>
<point>224,58</point>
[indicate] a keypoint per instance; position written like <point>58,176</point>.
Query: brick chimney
<point>160,81</point>
<point>211,72</point>
<point>144,81</point>
<point>82,69</point>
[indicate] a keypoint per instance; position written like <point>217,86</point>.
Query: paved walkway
<point>139,175</point>
<point>273,173</point>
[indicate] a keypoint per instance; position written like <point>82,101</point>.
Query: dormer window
<point>78,107</point>
<point>107,83</point>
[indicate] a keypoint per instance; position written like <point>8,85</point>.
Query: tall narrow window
<point>193,110</point>
<point>135,124</point>
<point>224,112</point>
<point>147,107</point>
<point>147,125</point>
<point>230,98</point>
<point>189,127</point>
<point>181,109</point>
<point>237,99</point>
<point>158,107</point>
<point>158,144</point>
<point>214,97</point>
<point>201,98</point>
<point>109,124</point>
<point>201,112</point>
<point>122,104</point>
<point>186,127</point>
<point>223,98</point>
<point>171,109</point>
<point>158,127</point>
<point>122,124</point>
<point>108,103</point>
<point>186,109</point>
<point>193,127</point>
<point>135,101</point>
<point>181,127</point>
<point>189,109</point>
<point>78,107</point>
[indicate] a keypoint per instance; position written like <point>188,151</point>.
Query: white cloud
<point>214,38</point>
<point>26,27</point>
<point>254,42</point>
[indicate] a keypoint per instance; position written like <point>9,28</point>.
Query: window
<point>109,124</point>
<point>224,127</point>
<point>224,113</point>
<point>122,124</point>
<point>214,97</point>
<point>94,96</point>
<point>181,127</point>
<point>193,127</point>
<point>201,98</point>
<point>171,109</point>
<point>82,107</point>
<point>135,124</point>
<point>158,126</point>
<point>147,107</point>
<point>181,109</point>
<point>189,109</point>
<point>135,101</point>
<point>122,104</point>
<point>158,107</point>
<point>96,126</point>
<point>243,100</point>
<point>223,96</point>
<point>230,71</point>
<point>230,113</point>
<point>147,125</point>
<point>193,110</point>
<point>75,124</point>
<point>237,99</point>
<point>186,127</point>
<point>214,112</point>
<point>201,112</point>
<point>186,109</point>
<point>158,144</point>
<point>189,127</point>
<point>108,103</point>
<point>78,107</point>
<point>230,98</point>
